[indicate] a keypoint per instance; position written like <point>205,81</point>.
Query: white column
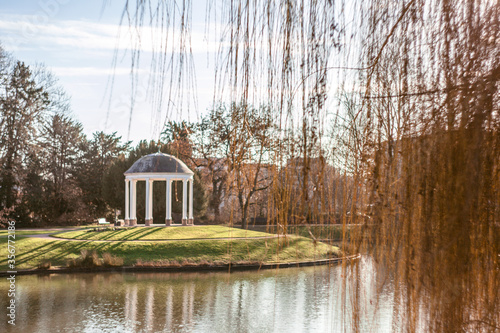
<point>151,181</point>
<point>168,204</point>
<point>133,203</point>
<point>191,201</point>
<point>184,202</point>
<point>146,207</point>
<point>149,202</point>
<point>127,201</point>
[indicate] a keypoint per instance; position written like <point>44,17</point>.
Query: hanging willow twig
<point>386,117</point>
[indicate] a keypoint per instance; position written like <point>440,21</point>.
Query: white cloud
<point>23,32</point>
<point>20,32</point>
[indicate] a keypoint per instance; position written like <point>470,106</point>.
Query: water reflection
<point>302,300</point>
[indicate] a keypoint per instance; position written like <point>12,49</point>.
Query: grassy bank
<point>32,251</point>
<point>4,233</point>
<point>161,233</point>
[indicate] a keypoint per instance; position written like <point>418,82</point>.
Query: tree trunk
<point>244,211</point>
<point>244,223</point>
<point>215,200</point>
<point>216,212</point>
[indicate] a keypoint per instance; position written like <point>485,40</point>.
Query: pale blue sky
<point>76,40</point>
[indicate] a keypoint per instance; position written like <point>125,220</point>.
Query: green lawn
<point>161,233</point>
<point>18,232</point>
<point>332,232</point>
<point>31,251</point>
<point>320,232</point>
<point>24,232</point>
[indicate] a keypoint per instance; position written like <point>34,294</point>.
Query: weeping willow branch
<point>411,89</point>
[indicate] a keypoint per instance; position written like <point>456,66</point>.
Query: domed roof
<point>159,163</point>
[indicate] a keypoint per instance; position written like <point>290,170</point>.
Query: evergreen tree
<point>22,102</point>
<point>60,142</point>
<point>34,205</point>
<point>98,155</point>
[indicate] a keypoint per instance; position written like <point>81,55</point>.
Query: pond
<point>308,299</point>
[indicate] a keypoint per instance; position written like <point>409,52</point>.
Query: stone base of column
<point>148,222</point>
<point>190,221</point>
<point>185,221</point>
<point>126,223</point>
<point>168,222</point>
<point>132,222</point>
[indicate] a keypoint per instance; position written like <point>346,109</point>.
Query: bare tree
<point>250,141</point>
<point>235,145</point>
<point>211,148</point>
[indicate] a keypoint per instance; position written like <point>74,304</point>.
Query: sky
<point>76,40</point>
<point>83,44</point>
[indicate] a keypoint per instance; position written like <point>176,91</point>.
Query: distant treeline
<point>52,173</point>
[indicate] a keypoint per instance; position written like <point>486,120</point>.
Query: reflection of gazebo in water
<point>159,167</point>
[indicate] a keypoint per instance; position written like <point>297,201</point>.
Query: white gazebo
<point>159,167</point>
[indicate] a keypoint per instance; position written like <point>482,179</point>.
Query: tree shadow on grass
<point>65,247</point>
<point>112,234</point>
<point>75,249</point>
<point>41,251</point>
<point>128,234</point>
<point>89,234</point>
<point>141,232</point>
<point>36,252</point>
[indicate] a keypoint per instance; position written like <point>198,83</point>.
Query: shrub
<point>44,264</point>
<point>186,263</point>
<point>110,260</point>
<point>157,263</point>
<point>204,262</point>
<point>91,259</point>
<point>174,263</point>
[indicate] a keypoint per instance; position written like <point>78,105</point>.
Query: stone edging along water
<point>206,268</point>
